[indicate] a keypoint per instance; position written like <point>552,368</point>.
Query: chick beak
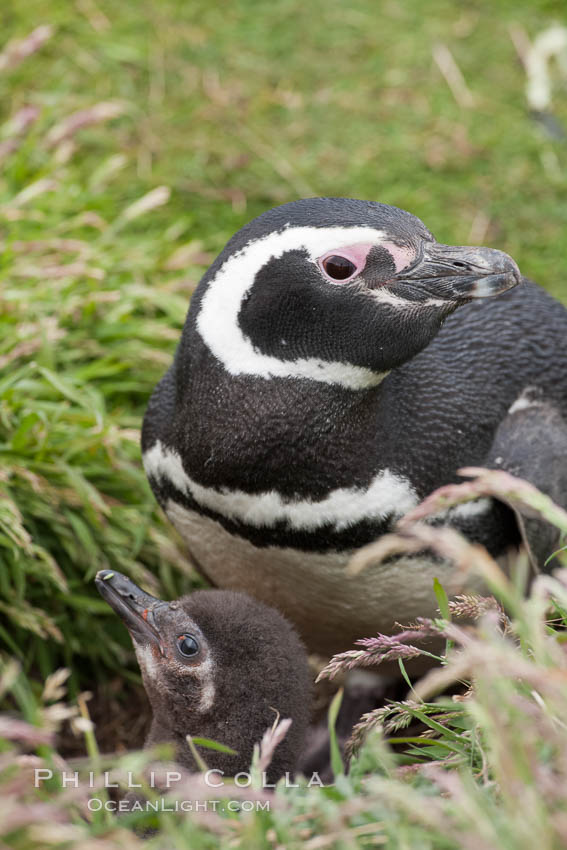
<point>134,606</point>
<point>458,273</point>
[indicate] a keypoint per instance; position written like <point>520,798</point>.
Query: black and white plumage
<point>218,665</point>
<point>323,385</point>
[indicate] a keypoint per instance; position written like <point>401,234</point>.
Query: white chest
<point>329,608</point>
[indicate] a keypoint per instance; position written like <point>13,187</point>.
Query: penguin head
<point>336,290</point>
<point>215,664</point>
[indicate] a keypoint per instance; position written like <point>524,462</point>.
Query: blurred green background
<point>134,141</point>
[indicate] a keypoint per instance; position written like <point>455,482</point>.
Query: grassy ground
<point>133,142</point>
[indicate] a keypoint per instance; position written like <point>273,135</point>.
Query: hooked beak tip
<point>132,605</point>
<point>460,273</point>
<point>495,284</point>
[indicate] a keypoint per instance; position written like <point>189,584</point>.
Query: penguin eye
<point>348,261</point>
<point>187,645</point>
<point>338,268</point>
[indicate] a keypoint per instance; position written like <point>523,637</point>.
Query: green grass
<point>230,109</point>
<point>487,769</point>
<point>212,113</point>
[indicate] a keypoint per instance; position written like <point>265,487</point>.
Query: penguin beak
<point>133,605</point>
<point>457,273</point>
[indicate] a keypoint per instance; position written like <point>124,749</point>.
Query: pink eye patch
<point>401,255</point>
<point>345,263</point>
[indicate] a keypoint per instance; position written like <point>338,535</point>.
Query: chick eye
<point>187,645</point>
<point>338,268</point>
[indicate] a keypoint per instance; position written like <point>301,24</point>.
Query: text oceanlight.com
<point>162,805</point>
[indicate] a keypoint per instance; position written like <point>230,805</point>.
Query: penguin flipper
<point>531,443</point>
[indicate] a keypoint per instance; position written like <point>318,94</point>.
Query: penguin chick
<point>219,665</point>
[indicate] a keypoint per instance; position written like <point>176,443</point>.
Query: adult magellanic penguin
<point>325,382</point>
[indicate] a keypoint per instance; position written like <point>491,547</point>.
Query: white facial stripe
<point>146,659</point>
<point>387,494</point>
<point>385,296</point>
<point>432,302</point>
<point>217,321</point>
<point>204,672</point>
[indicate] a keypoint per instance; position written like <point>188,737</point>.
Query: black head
<point>219,665</point>
<point>336,290</point>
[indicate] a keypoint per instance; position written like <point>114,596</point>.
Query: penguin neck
<point>246,425</point>
<point>168,729</point>
<point>162,731</point>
